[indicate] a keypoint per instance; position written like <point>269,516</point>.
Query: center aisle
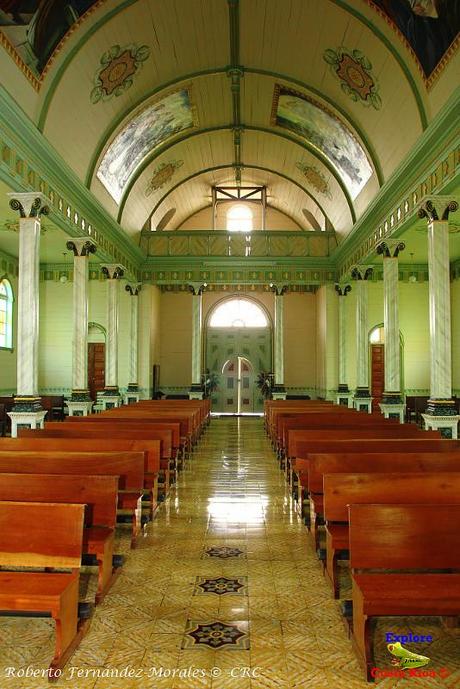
<point>229,526</point>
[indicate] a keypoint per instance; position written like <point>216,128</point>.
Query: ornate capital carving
<point>197,288</point>
<point>362,272</point>
<point>437,208</point>
<point>133,289</point>
<point>391,248</point>
<point>342,290</point>
<point>113,271</point>
<point>279,290</point>
<point>82,246</point>
<point>29,204</point>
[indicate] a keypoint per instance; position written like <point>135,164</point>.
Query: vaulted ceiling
<point>151,102</point>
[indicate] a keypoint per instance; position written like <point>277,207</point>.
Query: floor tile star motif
<point>215,634</point>
<point>223,552</point>
<point>221,586</point>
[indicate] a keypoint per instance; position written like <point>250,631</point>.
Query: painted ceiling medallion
<point>354,71</point>
<point>118,66</point>
<point>162,175</point>
<point>316,178</point>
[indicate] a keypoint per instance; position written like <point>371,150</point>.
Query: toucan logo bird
<point>404,658</point>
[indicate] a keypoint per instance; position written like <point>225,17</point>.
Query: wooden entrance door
<point>96,368</point>
<point>377,375</point>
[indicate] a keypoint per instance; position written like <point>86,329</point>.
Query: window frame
<point>9,299</point>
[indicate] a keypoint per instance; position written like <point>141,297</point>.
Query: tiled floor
<point>224,591</point>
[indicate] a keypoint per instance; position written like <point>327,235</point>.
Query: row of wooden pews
<point>381,495</point>
<point>66,490</point>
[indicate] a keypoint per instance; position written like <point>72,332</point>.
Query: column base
<point>79,407</point>
<point>80,396</point>
<point>110,398</point>
<point>441,407</point>
<point>132,394</point>
<point>278,392</point>
<point>343,387</point>
<point>345,398</point>
<point>362,401</point>
<point>393,410</point>
<point>26,419</point>
<point>448,425</point>
<point>27,403</point>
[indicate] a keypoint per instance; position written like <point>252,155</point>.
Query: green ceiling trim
<point>115,123</point>
<point>370,149</point>
<point>225,167</point>
<point>432,165</point>
<point>390,46</point>
<point>266,130</point>
<point>92,29</point>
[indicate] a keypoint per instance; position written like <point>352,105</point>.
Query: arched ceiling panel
<point>304,32</point>
<point>178,41</point>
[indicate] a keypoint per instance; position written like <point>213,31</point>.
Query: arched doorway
<point>238,383</point>
<point>238,348</point>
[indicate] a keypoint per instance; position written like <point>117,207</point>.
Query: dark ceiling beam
<point>234,73</point>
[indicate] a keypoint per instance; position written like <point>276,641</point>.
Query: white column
<point>344,396</point>
<point>437,210</point>
<point>361,275</point>
<point>113,272</point>
<point>390,251</point>
<point>278,341</point>
<point>133,390</point>
<point>31,207</point>
<point>81,248</point>
<point>196,289</point>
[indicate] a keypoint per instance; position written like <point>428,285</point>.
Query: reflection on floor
<point>225,580</point>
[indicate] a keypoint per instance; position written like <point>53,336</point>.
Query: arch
<point>236,311</point>
<point>96,332</point>
<point>249,167</point>
<point>304,145</point>
<point>6,314</point>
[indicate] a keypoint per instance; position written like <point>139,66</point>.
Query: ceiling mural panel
<point>151,127</point>
<point>429,26</point>
<point>310,120</point>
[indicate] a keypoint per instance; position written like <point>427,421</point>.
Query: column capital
<point>82,246</point>
<point>133,288</point>
<point>113,271</point>
<point>197,288</point>
<point>279,290</point>
<point>30,204</point>
<point>342,290</point>
<point>391,248</point>
<point>437,208</point>
<point>362,272</point>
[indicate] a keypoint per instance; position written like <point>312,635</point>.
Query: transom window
<point>377,335</point>
<point>238,313</point>
<point>6,314</point>
<point>239,218</point>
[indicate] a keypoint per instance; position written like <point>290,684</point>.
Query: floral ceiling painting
<point>117,69</point>
<point>140,136</point>
<point>353,69</point>
<point>323,130</point>
<point>316,178</point>
<point>430,27</point>
<point>162,175</point>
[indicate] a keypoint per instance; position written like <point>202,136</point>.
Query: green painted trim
<point>226,167</point>
<point>70,56</point>
<point>440,136</point>
<point>114,124</point>
<point>399,59</point>
<point>22,137</point>
<point>266,130</point>
<point>370,150</point>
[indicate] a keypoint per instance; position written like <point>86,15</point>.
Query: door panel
<point>377,375</point>
<point>96,368</point>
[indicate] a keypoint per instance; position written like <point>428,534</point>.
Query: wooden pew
<point>393,539</point>
<point>46,535</point>
<point>129,466</point>
<point>98,493</point>
<point>341,490</point>
<point>93,431</point>
<point>41,441</point>
<point>318,465</point>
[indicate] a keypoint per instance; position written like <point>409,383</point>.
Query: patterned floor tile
<point>221,586</point>
<point>223,552</point>
<point>216,634</point>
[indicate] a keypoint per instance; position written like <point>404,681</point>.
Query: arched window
<point>238,313</point>
<point>377,335</point>
<point>6,314</point>
<point>239,218</point>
